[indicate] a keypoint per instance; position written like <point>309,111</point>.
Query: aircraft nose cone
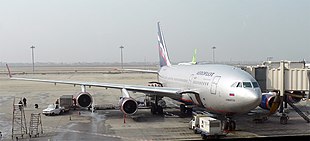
<point>251,99</point>
<point>255,98</point>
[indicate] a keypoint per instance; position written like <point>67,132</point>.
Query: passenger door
<point>214,83</point>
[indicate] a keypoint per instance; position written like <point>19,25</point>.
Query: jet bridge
<point>281,75</point>
<point>289,79</point>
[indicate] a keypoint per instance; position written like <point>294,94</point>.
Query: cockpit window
<point>234,85</point>
<point>247,85</point>
<point>255,84</point>
<point>239,84</point>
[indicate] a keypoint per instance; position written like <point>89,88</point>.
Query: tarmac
<point>111,124</point>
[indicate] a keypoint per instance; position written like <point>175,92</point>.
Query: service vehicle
<point>208,127</point>
<point>53,109</point>
<point>66,101</point>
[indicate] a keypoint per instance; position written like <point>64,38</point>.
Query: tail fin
<point>163,53</point>
<point>7,66</point>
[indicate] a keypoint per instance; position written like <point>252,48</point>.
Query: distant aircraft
<point>194,61</point>
<point>219,89</point>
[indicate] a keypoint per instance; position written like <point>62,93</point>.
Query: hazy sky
<point>93,30</point>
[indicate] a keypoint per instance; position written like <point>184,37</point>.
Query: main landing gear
<point>185,110</point>
<point>229,125</point>
<point>157,106</point>
<point>156,102</point>
<point>156,109</point>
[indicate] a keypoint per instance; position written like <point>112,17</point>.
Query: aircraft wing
<point>149,90</point>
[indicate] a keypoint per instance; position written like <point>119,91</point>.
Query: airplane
<point>219,89</point>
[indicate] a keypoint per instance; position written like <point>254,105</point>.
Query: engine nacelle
<point>267,100</point>
<point>84,99</point>
<point>128,106</point>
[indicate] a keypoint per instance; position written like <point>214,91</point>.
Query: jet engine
<point>128,106</point>
<point>84,99</point>
<point>267,100</point>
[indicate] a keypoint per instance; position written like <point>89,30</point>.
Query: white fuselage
<point>216,85</point>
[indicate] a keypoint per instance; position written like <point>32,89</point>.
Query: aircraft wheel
<point>225,125</point>
<point>153,109</point>
<point>283,119</point>
<point>160,110</point>
<point>204,137</point>
<point>183,109</point>
<point>156,109</point>
<point>195,131</point>
<point>232,125</point>
<point>229,125</point>
<point>189,111</point>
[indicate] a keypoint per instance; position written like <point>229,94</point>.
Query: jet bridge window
<point>247,85</point>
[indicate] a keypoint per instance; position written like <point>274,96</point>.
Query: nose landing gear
<point>229,125</point>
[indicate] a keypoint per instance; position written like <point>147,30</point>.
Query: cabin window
<point>255,84</point>
<point>247,85</point>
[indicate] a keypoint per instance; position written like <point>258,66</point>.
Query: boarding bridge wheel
<point>283,119</point>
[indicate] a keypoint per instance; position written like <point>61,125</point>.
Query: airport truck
<point>65,101</point>
<point>53,109</point>
<point>208,127</point>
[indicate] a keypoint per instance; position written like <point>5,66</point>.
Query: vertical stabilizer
<point>163,53</point>
<point>194,60</point>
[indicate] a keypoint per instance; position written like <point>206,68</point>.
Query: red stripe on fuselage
<point>220,111</point>
<point>186,100</point>
<point>209,108</point>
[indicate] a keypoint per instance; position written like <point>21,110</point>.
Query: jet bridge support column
<point>284,118</point>
<point>308,97</point>
<point>282,84</point>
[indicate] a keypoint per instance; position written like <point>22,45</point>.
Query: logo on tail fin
<point>163,53</point>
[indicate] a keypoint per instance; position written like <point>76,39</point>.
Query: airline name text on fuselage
<point>205,73</point>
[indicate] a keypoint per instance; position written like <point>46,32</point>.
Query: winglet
<point>7,66</point>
